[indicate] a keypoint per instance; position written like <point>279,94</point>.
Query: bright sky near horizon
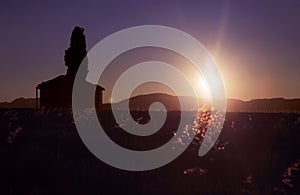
<point>256,45</point>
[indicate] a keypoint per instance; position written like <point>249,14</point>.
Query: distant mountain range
<point>264,105</point>
<point>142,102</point>
<point>19,103</point>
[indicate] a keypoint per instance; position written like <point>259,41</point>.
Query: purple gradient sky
<point>256,45</point>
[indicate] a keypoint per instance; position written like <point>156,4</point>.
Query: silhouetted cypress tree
<point>76,52</point>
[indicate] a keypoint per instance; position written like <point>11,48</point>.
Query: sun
<point>201,87</point>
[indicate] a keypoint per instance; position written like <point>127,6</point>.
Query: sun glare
<point>201,87</point>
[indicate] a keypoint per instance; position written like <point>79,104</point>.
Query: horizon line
<point>229,98</point>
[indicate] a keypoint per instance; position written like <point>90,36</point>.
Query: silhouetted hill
<point>264,105</point>
<point>142,102</point>
<point>257,105</point>
<point>19,103</point>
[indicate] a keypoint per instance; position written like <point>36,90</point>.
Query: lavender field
<point>257,153</point>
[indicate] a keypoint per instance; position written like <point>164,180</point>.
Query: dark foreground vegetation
<point>257,153</point>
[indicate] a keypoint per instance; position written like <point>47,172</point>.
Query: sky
<point>255,44</point>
